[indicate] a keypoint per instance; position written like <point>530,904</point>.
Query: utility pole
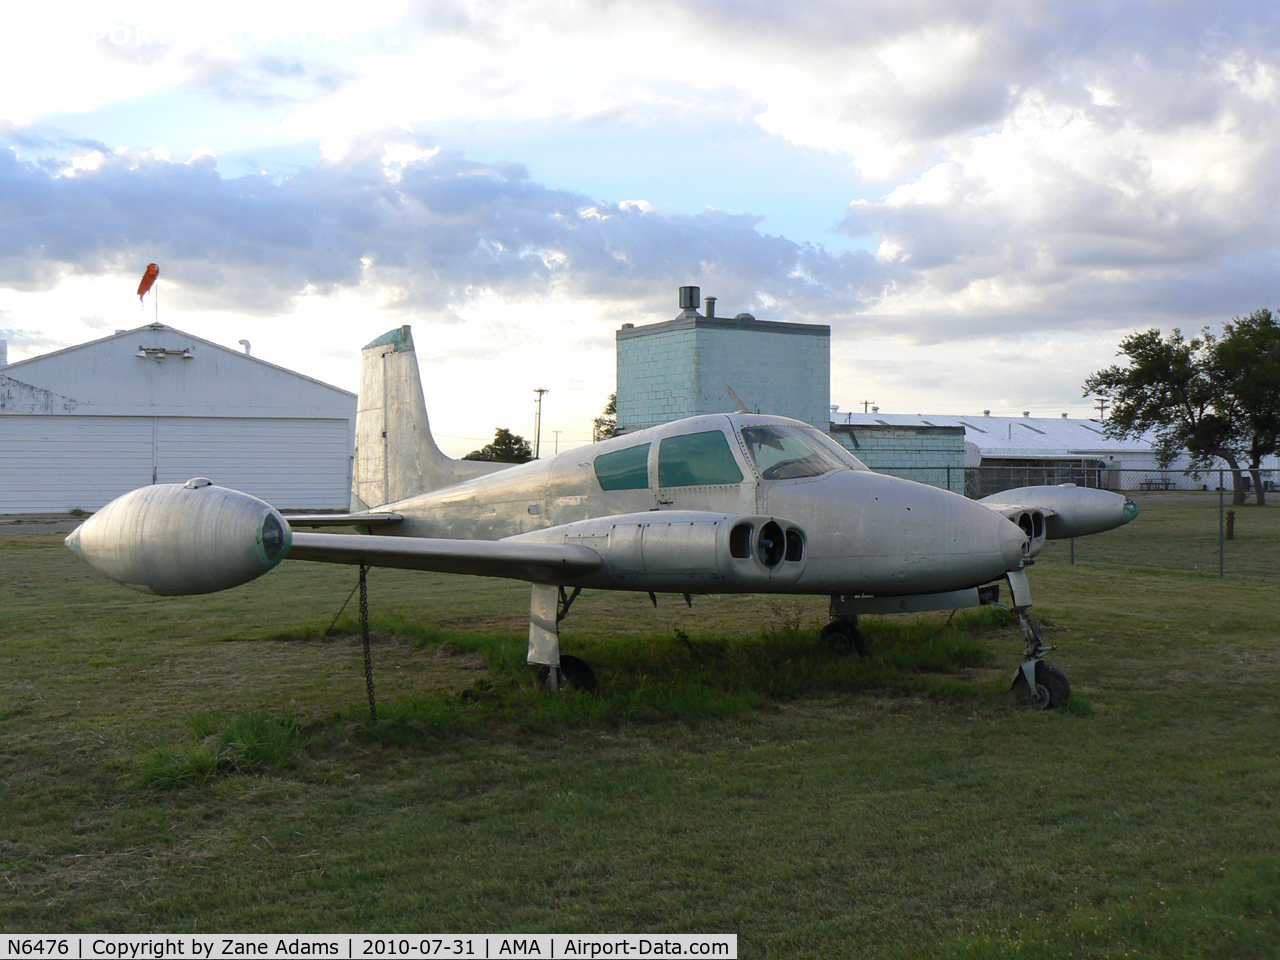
<point>1102,408</point>
<point>537,423</point>
<point>557,433</point>
<point>866,405</point>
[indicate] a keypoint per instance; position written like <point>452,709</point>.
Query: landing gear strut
<point>547,607</point>
<point>1036,683</point>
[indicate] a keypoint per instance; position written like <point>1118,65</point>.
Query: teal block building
<point>684,367</point>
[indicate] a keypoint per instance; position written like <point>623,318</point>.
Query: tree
<point>1247,362</point>
<point>507,447</point>
<point>606,425</point>
<point>1214,397</point>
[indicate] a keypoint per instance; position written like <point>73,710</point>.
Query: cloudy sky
<point>981,199</point>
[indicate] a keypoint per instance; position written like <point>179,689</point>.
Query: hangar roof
<point>158,370</point>
<point>1014,437</point>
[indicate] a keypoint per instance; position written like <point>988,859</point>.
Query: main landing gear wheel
<point>1053,689</point>
<point>843,637</point>
<point>574,674</point>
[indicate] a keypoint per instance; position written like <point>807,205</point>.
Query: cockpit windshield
<point>789,453</point>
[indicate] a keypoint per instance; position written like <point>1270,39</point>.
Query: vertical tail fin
<point>396,456</point>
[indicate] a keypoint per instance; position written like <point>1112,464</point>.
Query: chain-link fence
<point>1187,521</point>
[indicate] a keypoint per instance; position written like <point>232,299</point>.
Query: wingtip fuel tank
<point>179,539</point>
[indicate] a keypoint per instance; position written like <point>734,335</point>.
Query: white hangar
<point>83,425</point>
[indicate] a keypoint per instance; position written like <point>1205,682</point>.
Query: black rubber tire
<point>1055,681</point>
<point>843,638</point>
<point>578,675</point>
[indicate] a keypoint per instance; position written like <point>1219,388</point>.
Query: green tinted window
<point>696,459</point>
<point>624,469</point>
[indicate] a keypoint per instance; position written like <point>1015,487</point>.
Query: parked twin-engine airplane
<point>724,503</point>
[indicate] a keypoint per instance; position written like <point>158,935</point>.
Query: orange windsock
<point>148,279</point>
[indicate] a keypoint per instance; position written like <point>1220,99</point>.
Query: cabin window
<point>696,459</point>
<point>624,469</point>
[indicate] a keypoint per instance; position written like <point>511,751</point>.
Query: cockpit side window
<point>835,448</point>
<point>624,469</point>
<point>697,459</point>
<point>789,453</point>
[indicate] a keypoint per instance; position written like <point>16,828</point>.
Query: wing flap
<point>369,519</point>
<point>532,562</point>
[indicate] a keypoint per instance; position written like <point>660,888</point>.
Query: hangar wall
<point>83,425</point>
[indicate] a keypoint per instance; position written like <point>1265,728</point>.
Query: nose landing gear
<point>1036,683</point>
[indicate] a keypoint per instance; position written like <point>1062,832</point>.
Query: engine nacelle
<point>1071,511</point>
<point>1034,524</point>
<point>178,539</point>
<point>687,551</point>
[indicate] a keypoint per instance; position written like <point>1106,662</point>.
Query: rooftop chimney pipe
<point>245,344</point>
<point>711,306</point>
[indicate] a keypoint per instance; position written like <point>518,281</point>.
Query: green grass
<point>739,780</point>
<point>1179,532</point>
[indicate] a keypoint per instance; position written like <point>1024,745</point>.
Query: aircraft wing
<point>1011,511</point>
<point>532,562</point>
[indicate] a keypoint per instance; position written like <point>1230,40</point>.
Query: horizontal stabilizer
<point>532,562</point>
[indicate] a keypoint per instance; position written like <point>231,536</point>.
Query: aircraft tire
<point>1055,681</point>
<point>843,638</point>
<point>1053,689</point>
<point>577,674</point>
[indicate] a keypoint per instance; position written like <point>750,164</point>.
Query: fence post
<point>949,490</point>
<point>1073,551</point>
<point>1222,527</point>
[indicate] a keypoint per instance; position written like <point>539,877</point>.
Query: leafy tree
<point>1247,362</point>
<point>1214,397</point>
<point>606,425</point>
<point>507,447</point>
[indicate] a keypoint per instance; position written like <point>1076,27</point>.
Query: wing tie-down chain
<point>364,637</point>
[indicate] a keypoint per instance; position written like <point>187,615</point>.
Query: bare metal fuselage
<point>864,533</point>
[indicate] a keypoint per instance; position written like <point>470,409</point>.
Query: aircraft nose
<point>1013,544</point>
<point>1130,511</point>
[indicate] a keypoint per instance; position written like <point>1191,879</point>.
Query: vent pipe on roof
<point>986,413</point>
<point>711,307</point>
<point>1064,416</point>
<point>1026,413</point>
<point>689,297</point>
<point>245,344</point>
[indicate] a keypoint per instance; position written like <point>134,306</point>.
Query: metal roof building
<point>988,438</point>
<point>80,426</point>
<point>1014,450</point>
